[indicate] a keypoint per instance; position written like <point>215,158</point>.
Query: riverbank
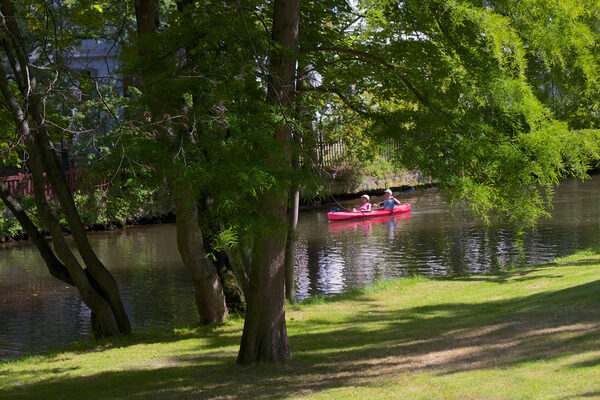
<point>101,210</point>
<point>529,333</point>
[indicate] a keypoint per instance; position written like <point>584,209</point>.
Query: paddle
<point>336,209</point>
<point>406,191</point>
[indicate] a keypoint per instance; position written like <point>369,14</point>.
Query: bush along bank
<point>99,210</point>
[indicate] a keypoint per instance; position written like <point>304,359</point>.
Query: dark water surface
<point>38,313</point>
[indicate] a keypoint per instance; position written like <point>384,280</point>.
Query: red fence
<point>22,185</point>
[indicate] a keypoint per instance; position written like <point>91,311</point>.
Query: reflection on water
<point>37,312</point>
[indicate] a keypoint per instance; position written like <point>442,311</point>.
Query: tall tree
<point>265,334</point>
<point>210,298</point>
<point>26,100</point>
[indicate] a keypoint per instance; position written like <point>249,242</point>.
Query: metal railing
<point>335,154</point>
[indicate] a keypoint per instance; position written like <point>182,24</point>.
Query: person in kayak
<point>366,206</point>
<point>389,203</point>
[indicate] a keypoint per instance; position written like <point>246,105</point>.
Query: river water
<point>38,313</point>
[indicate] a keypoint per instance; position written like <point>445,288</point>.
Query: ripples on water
<point>38,312</point>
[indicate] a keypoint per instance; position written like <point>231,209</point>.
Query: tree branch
<point>339,94</point>
<point>56,268</point>
<point>374,60</point>
<point>9,24</point>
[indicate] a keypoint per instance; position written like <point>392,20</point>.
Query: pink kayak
<point>342,215</point>
<point>366,224</point>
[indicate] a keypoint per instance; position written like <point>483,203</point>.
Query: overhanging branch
<point>340,95</point>
<point>374,60</point>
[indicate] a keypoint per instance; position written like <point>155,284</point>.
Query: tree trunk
<point>100,293</point>
<point>94,298</point>
<point>56,176</point>
<point>209,291</point>
<point>265,334</point>
<point>55,267</point>
<point>290,245</point>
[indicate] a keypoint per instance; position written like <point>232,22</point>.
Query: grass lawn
<point>531,333</point>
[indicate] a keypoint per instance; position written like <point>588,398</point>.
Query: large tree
<point>29,73</point>
<point>158,68</point>
<point>218,98</point>
<point>265,334</point>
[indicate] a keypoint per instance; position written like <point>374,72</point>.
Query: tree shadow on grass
<point>504,280</point>
<point>591,395</point>
<point>513,274</point>
<point>588,363</point>
<point>366,347</point>
<point>579,263</point>
<point>459,337</point>
<point>211,333</point>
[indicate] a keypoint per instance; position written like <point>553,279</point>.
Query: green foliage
<point>227,238</point>
<point>460,88</point>
<point>378,167</point>
<point>496,102</point>
<point>121,206</point>
<point>117,206</point>
<point>9,226</point>
<point>211,130</point>
<point>9,143</point>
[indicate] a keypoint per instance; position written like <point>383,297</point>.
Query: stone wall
<point>349,184</point>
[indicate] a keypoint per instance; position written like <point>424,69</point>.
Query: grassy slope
<point>528,334</point>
